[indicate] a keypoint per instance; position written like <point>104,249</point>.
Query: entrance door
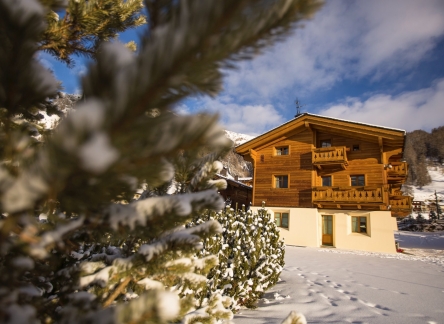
<point>327,230</point>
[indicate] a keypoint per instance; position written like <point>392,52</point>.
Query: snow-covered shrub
<point>251,255</point>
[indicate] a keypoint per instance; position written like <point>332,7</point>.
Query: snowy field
<point>337,286</point>
<point>437,184</point>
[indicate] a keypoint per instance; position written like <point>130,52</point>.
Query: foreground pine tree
<point>85,24</point>
<point>74,246</point>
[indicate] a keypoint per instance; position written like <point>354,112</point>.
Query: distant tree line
<point>421,147</point>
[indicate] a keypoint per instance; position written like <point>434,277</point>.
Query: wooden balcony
<point>401,203</point>
<point>341,197</point>
<point>335,155</point>
<point>397,171</point>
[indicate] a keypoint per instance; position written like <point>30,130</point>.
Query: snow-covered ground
<point>338,286</point>
<point>428,192</point>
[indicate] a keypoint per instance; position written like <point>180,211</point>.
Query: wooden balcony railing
<point>395,192</point>
<point>398,171</point>
<point>329,156</point>
<point>401,203</point>
<point>348,195</point>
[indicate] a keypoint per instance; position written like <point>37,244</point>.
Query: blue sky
<point>378,62</point>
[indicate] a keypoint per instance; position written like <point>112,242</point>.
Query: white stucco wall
<point>305,229</point>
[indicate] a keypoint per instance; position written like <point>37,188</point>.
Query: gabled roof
<point>367,132</point>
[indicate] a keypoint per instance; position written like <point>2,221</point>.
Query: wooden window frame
<point>325,177</point>
<point>278,217</point>
<point>358,228</point>
<point>277,148</point>
<point>358,175</point>
<point>275,177</point>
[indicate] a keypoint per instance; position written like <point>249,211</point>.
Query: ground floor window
<point>281,219</point>
<point>359,224</point>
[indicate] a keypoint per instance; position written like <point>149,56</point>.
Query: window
<point>355,147</point>
<point>281,181</point>
<point>326,181</point>
<point>359,225</point>
<point>281,219</point>
<point>325,143</point>
<point>262,158</point>
<point>357,180</point>
<point>283,150</point>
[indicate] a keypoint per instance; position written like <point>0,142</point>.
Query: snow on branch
<point>39,249</point>
<point>189,236</point>
<point>181,205</point>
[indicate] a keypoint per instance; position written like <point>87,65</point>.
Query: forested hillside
<point>422,148</point>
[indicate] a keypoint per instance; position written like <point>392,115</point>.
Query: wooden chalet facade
<point>237,193</point>
<point>349,172</point>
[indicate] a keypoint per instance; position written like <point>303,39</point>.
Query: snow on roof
<point>233,180</point>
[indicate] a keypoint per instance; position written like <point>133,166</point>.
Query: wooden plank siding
<point>296,165</point>
<point>368,152</point>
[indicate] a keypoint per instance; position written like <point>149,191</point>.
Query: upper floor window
<point>282,150</point>
<point>359,225</point>
<point>357,180</point>
<point>281,181</point>
<point>325,143</point>
<point>281,219</point>
<point>326,181</point>
<point>355,147</point>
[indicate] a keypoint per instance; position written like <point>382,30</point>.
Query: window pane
<point>277,218</point>
<point>355,227</point>
<point>326,181</point>
<point>285,220</point>
<point>327,227</point>
<point>326,143</point>
<point>282,150</point>
<point>281,181</point>
<point>362,224</point>
<point>357,180</point>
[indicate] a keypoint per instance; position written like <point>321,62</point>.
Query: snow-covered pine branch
<point>73,244</point>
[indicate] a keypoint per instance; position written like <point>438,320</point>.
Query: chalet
<point>237,192</point>
<point>331,182</point>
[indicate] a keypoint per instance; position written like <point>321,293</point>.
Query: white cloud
<point>422,109</point>
<point>353,41</point>
<point>245,119</point>
<point>345,40</point>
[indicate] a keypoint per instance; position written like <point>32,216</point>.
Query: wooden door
<point>327,230</point>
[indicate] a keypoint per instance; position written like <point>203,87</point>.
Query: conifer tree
<point>81,26</point>
<point>251,255</point>
<point>73,242</point>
